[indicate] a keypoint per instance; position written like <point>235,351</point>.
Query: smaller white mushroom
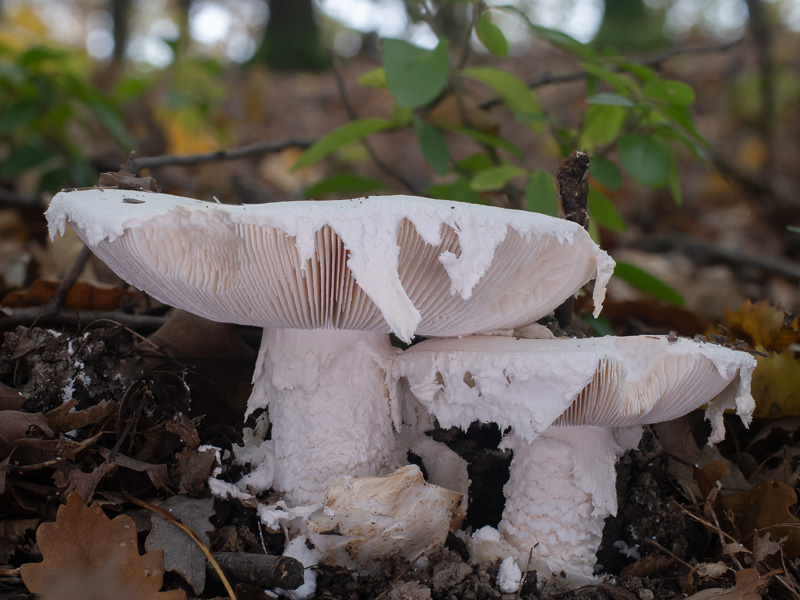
<point>573,406</point>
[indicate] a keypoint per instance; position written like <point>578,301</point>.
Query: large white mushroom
<point>572,405</point>
<point>328,281</point>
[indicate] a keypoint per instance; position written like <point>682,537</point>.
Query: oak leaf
<point>89,556</point>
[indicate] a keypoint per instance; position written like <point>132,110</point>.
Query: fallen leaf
<point>747,583</point>
<point>196,467</point>
<point>15,425</point>
<point>75,481</point>
<point>124,179</point>
<point>181,554</point>
<point>767,326</point>
<point>83,296</point>
<point>10,399</point>
<point>62,420</point>
<point>764,546</point>
<point>765,509</point>
<point>156,473</point>
<point>89,556</point>
<point>776,386</point>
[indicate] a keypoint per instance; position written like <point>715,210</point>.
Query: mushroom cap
<point>530,385</point>
<point>394,263</point>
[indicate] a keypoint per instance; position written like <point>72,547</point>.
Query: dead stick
<point>262,570</point>
<point>151,162</point>
<point>572,188</point>
<point>187,530</point>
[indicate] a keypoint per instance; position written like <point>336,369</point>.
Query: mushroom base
<point>561,487</point>
<point>328,402</point>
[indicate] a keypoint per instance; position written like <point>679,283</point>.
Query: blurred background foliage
<point>680,103</point>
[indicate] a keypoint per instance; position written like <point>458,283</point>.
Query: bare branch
<point>151,162</point>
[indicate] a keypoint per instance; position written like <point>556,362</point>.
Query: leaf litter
<point>138,432</point>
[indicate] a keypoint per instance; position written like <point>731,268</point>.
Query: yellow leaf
<point>767,326</point>
<point>776,386</point>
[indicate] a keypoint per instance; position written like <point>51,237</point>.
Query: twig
<point>700,249</point>
<point>352,115</point>
<point>668,552</point>
<point>654,61</point>
<point>190,533</point>
<point>151,162</point>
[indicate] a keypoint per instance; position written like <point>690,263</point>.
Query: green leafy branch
<point>632,126</point>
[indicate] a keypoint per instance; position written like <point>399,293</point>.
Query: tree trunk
<point>291,40</point>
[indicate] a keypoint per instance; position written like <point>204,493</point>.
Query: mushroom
<point>328,281</point>
<point>572,406</point>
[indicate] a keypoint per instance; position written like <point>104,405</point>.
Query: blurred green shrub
<point>632,123</point>
<point>49,115</point>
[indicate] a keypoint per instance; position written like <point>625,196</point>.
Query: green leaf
<point>602,210</point>
<point>374,78</point>
<point>672,92</point>
<point>674,180</point>
<point>619,83</point>
<point>491,36</point>
<point>793,228</point>
<point>344,184</point>
<point>460,191</point>
<point>433,145</point>
<point>489,140</point>
<point>415,76</point>
<point>555,37</point>
<point>474,162</point>
<point>601,125</point>
<point>644,158</point>
<point>512,91</point>
<point>110,119</point>
<point>540,193</point>
<point>609,99</point>
<point>601,326</point>
<point>606,172</point>
<point>494,178</point>
<point>339,137</point>
<point>647,283</point>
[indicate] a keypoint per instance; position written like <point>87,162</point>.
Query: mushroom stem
<point>329,406</point>
<point>562,486</point>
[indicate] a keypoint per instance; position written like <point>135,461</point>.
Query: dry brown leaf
<point>89,556</point>
<point>767,326</point>
<point>764,546</point>
<point>708,475</point>
<point>156,473</point>
<point>10,399</point>
<point>776,386</point>
<point>15,426</point>
<point>62,420</point>
<point>765,509</point>
<point>83,296</point>
<point>747,583</point>
<point>181,554</point>
<point>195,468</point>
